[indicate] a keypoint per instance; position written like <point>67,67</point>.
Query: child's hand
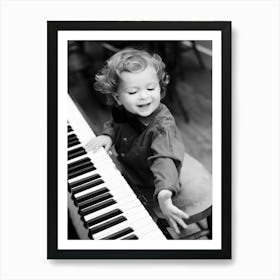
<point>173,214</point>
<point>98,142</point>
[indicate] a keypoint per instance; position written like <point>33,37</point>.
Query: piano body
<point>101,203</point>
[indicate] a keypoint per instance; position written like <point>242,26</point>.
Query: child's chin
<point>144,114</point>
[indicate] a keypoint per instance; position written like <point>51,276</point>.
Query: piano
<point>101,203</point>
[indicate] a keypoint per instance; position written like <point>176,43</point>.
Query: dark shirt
<point>152,146</point>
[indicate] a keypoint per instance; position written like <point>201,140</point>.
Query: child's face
<point>139,93</point>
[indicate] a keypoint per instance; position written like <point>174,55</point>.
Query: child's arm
<point>104,140</point>
<point>173,214</point>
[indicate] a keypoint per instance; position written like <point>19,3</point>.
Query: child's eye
<point>132,92</point>
<point>150,88</point>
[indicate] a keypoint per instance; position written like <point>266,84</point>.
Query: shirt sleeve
<point>109,129</point>
<point>166,160</point>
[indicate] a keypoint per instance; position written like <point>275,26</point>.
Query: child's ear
<point>117,99</point>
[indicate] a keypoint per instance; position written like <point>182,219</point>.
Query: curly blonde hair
<point>128,60</point>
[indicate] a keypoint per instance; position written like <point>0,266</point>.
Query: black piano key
<point>103,217</point>
<point>94,177</point>
<point>94,200</point>
<point>78,168</point>
<point>72,137</point>
<point>73,143</point>
<point>119,234</point>
<point>107,224</point>
<point>72,173</point>
<point>84,180</point>
<point>97,207</point>
<point>78,164</point>
<point>81,172</point>
<point>87,186</point>
<point>80,199</point>
<point>76,153</point>
<point>130,237</point>
<point>73,140</point>
<point>69,128</point>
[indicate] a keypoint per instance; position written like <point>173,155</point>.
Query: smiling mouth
<point>144,105</point>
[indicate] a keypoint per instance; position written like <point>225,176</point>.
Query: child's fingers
<point>86,146</point>
<point>90,145</point>
<point>173,224</point>
<point>182,214</point>
<point>95,149</point>
<point>107,147</point>
<point>180,222</point>
<point>90,148</point>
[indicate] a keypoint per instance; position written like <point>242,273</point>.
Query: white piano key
<point>98,157</point>
<point>117,185</point>
<point>105,166</point>
<point>147,232</point>
<point>111,230</point>
<point>86,175</point>
<point>145,229</point>
<point>112,176</point>
<point>107,174</point>
<point>101,163</point>
<point>133,214</point>
<point>123,206</point>
<point>87,191</point>
<point>74,147</point>
<point>126,235</point>
<point>105,221</point>
<point>118,227</point>
<point>135,225</point>
<point>99,153</point>
<point>70,133</point>
<point>121,194</point>
<point>154,234</point>
<point>77,158</point>
<point>150,231</point>
<point>112,185</point>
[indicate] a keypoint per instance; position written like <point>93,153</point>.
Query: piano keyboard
<point>101,204</point>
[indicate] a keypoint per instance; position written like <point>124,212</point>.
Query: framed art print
<point>139,140</point>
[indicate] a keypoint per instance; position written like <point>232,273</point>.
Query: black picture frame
<point>53,251</point>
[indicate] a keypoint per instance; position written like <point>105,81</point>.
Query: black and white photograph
<point>143,130</point>
<point>139,140</point>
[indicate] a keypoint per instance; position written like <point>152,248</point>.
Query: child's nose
<point>143,94</point>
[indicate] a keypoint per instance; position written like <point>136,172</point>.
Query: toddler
<point>146,137</point>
